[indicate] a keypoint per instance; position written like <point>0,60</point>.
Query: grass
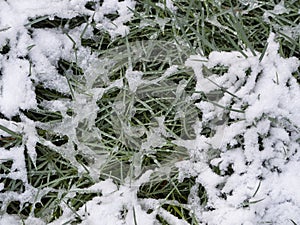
<point>198,27</point>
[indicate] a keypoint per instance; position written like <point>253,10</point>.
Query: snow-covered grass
<point>149,112</point>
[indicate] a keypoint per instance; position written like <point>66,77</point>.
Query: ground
<point>149,112</point>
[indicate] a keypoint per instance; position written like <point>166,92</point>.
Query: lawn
<point>169,112</point>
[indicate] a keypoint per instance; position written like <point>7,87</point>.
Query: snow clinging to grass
<point>256,180</point>
<point>95,129</point>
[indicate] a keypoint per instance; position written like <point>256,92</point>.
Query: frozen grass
<point>198,27</point>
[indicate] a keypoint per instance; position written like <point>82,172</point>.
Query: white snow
<point>115,27</point>
<point>269,97</point>
<point>168,4</point>
<point>16,89</point>
<point>9,219</point>
<point>278,10</point>
<point>134,79</point>
<point>257,151</point>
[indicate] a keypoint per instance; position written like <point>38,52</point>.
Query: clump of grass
<point>198,27</point>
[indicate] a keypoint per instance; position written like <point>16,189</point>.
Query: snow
<point>278,10</point>
<point>115,27</point>
<point>293,30</point>
<point>168,4</point>
<point>17,91</point>
<point>134,79</point>
<point>9,219</point>
<point>255,147</point>
<point>269,98</point>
